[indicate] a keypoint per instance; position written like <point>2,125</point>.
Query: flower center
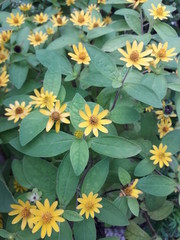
<point>93,120</point>
<point>162,52</point>
<point>89,205</point>
<point>165,129</point>
<point>78,134</point>
<point>161,156</point>
<point>41,18</point>
<point>37,38</point>
<point>95,25</point>
<point>47,217</point>
<point>59,20</point>
<point>82,55</point>
<point>55,116</point>
<point>4,37</point>
<point>19,110</point>
<point>168,110</point>
<point>25,212</point>
<point>159,11</point>
<point>134,56</point>
<point>127,191</point>
<point>81,19</point>
<point>16,20</point>
<point>2,57</point>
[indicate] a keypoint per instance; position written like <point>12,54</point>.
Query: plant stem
<point>142,21</point>
<point>150,225</point>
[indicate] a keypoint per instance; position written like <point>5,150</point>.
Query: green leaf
<point>5,234</point>
<point>85,230</point>
<point>156,185</point>
<point>67,182</point>
<point>115,147</point>
<point>31,126</point>
<point>172,141</point>
<point>65,231</point>
<point>72,216</point>
<point>110,238</point>
<point>125,11</point>
<point>134,232</point>
<point>154,203</point>
<point>79,155</point>
<point>18,73</point>
<point>144,168</point>
<point>164,30</point>
<point>22,39</point>
<point>6,125</point>
<point>134,23</point>
<point>95,177</point>
<point>45,145</point>
<point>110,214</point>
<point>133,205</point>
<point>177,102</point>
<point>124,176</point>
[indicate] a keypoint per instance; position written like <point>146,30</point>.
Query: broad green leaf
<point>79,155</point>
<point>133,205</point>
<point>45,145</point>
<point>85,230</point>
<point>134,232</point>
<point>121,204</point>
<point>31,126</point>
<point>134,23</point>
<point>95,177</point>
<point>72,216</point>
<point>67,182</point>
<point>19,98</point>
<point>6,125</point>
<point>110,214</point>
<point>5,234</point>
<point>153,203</point>
<point>124,176</point>
<point>156,185</point>
<point>22,39</point>
<point>65,231</point>
<point>27,234</point>
<point>125,11</point>
<point>164,30</point>
<point>18,73</point>
<point>172,141</point>
<point>115,147</point>
<point>144,168</point>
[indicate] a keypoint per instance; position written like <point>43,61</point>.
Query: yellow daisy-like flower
<point>50,31</point>
<point>17,111</point>
<point>94,121</point>
<point>95,23</point>
<point>23,212</point>
<point>4,55</point>
<point>161,53</point>
<point>160,156</point>
<point>43,99</point>
<point>149,109</point>
<point>159,12</point>
<point>46,217</point>
<point>25,7</point>
<point>59,21</point>
<point>79,134</point>
<point>135,3</point>
<point>80,54</point>
<point>37,38</point>
<point>102,1</point>
<point>18,187</point>
<point>131,190</point>
<point>107,20</point>
<point>40,18</point>
<point>1,221</point>
<point>167,112</point>
<point>4,79</point>
<point>80,18</point>
<point>134,55</point>
<point>5,36</point>
<point>164,127</point>
<point>70,2</point>
<point>15,20</point>
<point>93,7</point>
<point>56,115</point>
<point>89,205</point>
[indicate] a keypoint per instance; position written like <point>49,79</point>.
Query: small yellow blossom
<point>159,12</point>
<point>40,18</point>
<point>78,134</point>
<point>18,187</point>
<point>37,38</point>
<point>25,7</point>
<point>80,54</point>
<point>93,7</point>
<point>4,79</point>
<point>15,20</point>
<point>70,2</point>
<point>149,109</point>
<point>164,127</point>
<point>95,23</point>
<point>5,36</point>
<point>80,18</point>
<point>59,21</point>
<point>135,3</point>
<point>50,31</point>
<point>107,20</point>
<point>4,55</point>
<point>131,190</point>
<point>102,1</point>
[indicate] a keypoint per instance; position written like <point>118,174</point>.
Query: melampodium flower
<point>134,55</point>
<point>93,7</point>
<point>4,78</point>
<point>135,3</point>
<point>160,156</point>
<point>17,111</point>
<point>59,21</point>
<point>94,121</point>
<point>56,115</point>
<point>102,1</point>
<point>25,7</point>
<point>89,205</point>
<point>161,53</point>
<point>22,210</point>
<point>50,31</point>
<point>159,12</point>
<point>95,23</point>
<point>70,2</point>
<point>79,18</point>
<point>79,134</point>
<point>46,217</point>
<point>4,55</point>
<point>80,54</point>
<point>15,20</point>
<point>37,38</point>
<point>40,18</point>
<point>43,99</point>
<point>149,109</point>
<point>18,187</point>
<point>131,190</point>
<point>107,20</point>
<point>164,127</point>
<point>166,112</point>
<point>5,36</point>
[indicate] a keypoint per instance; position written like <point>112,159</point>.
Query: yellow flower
<point>164,127</point>
<point>134,55</point>
<point>4,78</point>
<point>131,190</point>
<point>22,210</point>
<point>78,134</point>
<point>5,36</point>
<point>46,217</point>
<point>15,20</point>
<point>159,12</point>
<point>1,221</point>
<point>151,66</point>
<point>43,99</point>
<point>18,187</point>
<point>37,38</point>
<point>135,3</point>
<point>81,55</point>
<point>59,21</point>
<point>25,7</point>
<point>4,55</point>
<point>107,20</point>
<point>79,18</point>
<point>149,109</point>
<point>70,2</point>
<point>160,156</point>
<point>50,31</point>
<point>102,1</point>
<point>166,112</point>
<point>161,53</point>
<point>40,18</point>
<point>89,205</point>
<point>93,7</point>
<point>17,111</point>
<point>56,115</point>
<point>94,121</point>
<point>95,23</point>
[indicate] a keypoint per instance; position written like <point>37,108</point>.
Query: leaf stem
<point>150,225</point>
